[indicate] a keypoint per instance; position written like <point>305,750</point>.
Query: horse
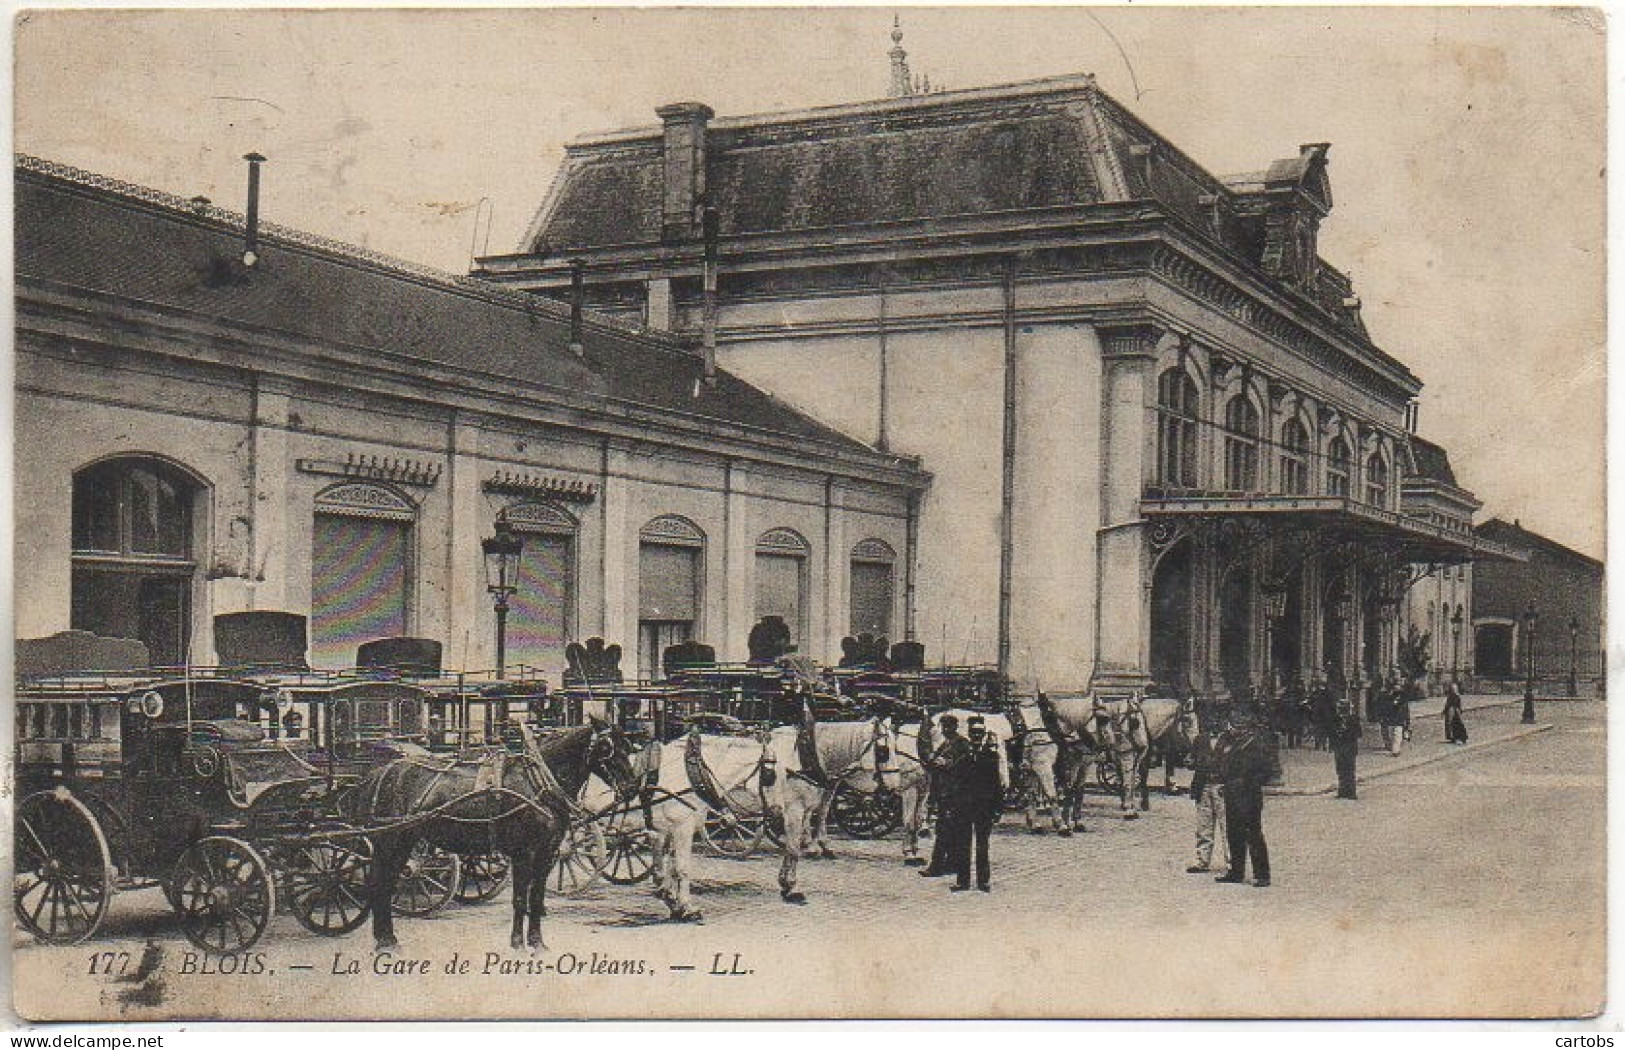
<point>1124,730</point>
<point>754,776</point>
<point>810,763</point>
<point>519,805</point>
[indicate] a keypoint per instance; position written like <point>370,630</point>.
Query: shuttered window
<point>668,582</point>
<point>778,590</point>
<point>539,612</point>
<point>873,567</point>
<point>358,585</point>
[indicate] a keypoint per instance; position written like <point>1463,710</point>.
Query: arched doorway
<point>1171,620</point>
<point>1286,643</point>
<point>134,554</point>
<point>1492,650</point>
<point>1236,632</point>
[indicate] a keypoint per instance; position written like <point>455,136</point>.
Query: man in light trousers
<point>1208,794</point>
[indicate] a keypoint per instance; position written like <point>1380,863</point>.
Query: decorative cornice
<point>875,551</point>
<point>508,483</point>
<point>375,468</point>
<point>783,541</point>
<point>672,529</point>
<point>361,500</point>
<point>539,517</point>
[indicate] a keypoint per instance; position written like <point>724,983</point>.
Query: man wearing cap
<point>947,762</point>
<point>1245,766</point>
<point>981,794</point>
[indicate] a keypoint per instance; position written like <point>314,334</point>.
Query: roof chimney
<point>684,154</point>
<point>251,237</point>
<point>708,322</point>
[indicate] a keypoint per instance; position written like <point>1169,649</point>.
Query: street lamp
<point>1455,646</point>
<point>1529,620</point>
<point>501,570</point>
<point>1574,656</point>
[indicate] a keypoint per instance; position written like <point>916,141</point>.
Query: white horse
<point>1119,731</point>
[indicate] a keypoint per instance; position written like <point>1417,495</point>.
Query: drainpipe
<point>1007,496</point>
<point>709,311</point>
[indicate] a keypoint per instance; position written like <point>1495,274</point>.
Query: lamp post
<point>1574,656</point>
<point>501,570</point>
<point>1455,646</point>
<point>1529,620</point>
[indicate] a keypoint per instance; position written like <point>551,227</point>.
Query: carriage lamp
<point>1530,618</point>
<point>501,570</point>
<point>1455,645</point>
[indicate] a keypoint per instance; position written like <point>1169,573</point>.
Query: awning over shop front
<point>1342,519</point>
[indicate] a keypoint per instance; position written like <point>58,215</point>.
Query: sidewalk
<point>1309,772</point>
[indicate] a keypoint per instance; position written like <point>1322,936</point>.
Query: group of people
<point>1228,775</point>
<point>968,784</point>
<point>1310,715</point>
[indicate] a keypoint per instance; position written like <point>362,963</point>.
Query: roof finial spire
<point>901,87</point>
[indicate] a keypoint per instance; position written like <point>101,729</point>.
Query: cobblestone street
<point>1464,868</point>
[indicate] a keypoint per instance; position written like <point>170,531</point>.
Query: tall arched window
<point>1294,458</point>
<point>671,568</point>
<point>360,569</point>
<point>1338,467</point>
<point>873,570</point>
<point>541,617</point>
<point>1178,407</point>
<point>1241,445</point>
<point>781,580</point>
<point>134,555</point>
<point>1376,481</point>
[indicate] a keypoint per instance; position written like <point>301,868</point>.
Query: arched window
<point>873,570</point>
<point>360,569</point>
<point>1338,467</point>
<point>1241,445</point>
<point>1294,458</point>
<point>781,580</point>
<point>1178,407</point>
<point>134,555</point>
<point>671,571</point>
<point>1376,480</point>
<point>541,616</point>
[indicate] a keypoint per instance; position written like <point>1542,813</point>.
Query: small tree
<point>1414,648</point>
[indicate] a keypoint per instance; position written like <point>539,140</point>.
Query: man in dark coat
<point>981,795</point>
<point>947,762</point>
<point>1345,747</point>
<point>1322,710</point>
<point>1247,760</point>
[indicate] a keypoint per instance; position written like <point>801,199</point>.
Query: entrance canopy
<point>1340,518</point>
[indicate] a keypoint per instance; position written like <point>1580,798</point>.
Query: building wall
<point>244,437</point>
<point>1429,606</point>
<point>1560,589</point>
<point>945,404</point>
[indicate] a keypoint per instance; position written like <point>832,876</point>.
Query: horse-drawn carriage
<point>184,782</point>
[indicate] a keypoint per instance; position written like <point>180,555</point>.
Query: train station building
<point>216,415</point>
<point>1164,445</point>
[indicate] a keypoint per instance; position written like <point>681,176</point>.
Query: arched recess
<point>542,611</point>
<point>1235,615</point>
<point>362,550</point>
<point>1172,624</point>
<point>671,588</point>
<point>781,580</point>
<point>136,533</point>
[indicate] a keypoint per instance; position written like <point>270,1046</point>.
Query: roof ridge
<point>353,252</point>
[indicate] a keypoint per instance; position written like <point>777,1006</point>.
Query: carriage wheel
<point>733,836</point>
<point>629,853</point>
<point>226,895</point>
<point>582,856</point>
<point>866,814</point>
<point>483,877</point>
<point>64,871</point>
<point>428,881</point>
<point>326,884</point>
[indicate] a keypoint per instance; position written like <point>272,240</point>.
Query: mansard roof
<point>1432,462</point>
<point>87,233</point>
<point>997,153</point>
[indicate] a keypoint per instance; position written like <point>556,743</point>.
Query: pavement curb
<point>1405,767</point>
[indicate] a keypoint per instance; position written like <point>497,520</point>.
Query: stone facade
<point>275,414</point>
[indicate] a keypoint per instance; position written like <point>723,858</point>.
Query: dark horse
<point>519,805</point>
